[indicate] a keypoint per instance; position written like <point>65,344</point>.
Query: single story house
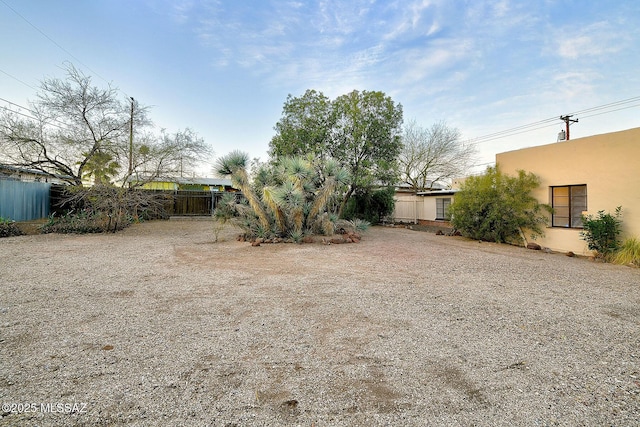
<point>189,184</point>
<point>429,207</point>
<point>29,175</point>
<point>582,176</point>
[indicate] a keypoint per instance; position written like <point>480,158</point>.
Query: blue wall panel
<point>24,201</point>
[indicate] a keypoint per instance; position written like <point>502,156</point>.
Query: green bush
<point>601,232</point>
<point>371,206</point>
<point>8,228</point>
<point>498,208</point>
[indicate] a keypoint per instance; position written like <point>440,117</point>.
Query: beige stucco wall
<point>608,164</point>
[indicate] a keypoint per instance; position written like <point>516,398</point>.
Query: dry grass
<point>629,253</point>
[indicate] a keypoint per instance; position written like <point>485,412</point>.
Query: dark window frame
<point>568,203</point>
<point>442,209</point>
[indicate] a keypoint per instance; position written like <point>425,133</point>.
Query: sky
<point>224,68</point>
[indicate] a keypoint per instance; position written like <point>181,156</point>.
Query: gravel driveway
<point>159,325</point>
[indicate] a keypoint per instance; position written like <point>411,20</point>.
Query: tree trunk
<point>345,199</point>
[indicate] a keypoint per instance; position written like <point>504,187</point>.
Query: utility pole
<point>568,120</point>
<point>131,144</point>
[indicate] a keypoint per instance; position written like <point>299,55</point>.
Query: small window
<point>442,208</point>
<point>568,203</point>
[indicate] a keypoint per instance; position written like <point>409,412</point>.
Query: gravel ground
<point>159,325</point>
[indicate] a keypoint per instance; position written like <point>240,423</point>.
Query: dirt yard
<point>159,325</point>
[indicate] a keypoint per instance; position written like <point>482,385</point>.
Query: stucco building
<point>583,176</point>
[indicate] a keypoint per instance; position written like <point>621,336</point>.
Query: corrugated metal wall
<point>24,201</point>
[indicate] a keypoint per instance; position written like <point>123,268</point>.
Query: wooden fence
<point>186,202</point>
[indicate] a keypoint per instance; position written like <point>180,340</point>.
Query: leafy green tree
<point>305,126</point>
<point>360,130</point>
<point>366,139</point>
<point>498,208</point>
<point>372,206</point>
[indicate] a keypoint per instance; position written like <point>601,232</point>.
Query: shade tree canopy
<point>361,130</point>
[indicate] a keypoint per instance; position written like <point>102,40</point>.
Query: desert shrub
<point>496,207</point>
<point>628,253</point>
<point>601,232</point>
<point>8,228</point>
<point>82,222</point>
<point>354,225</point>
<point>103,208</point>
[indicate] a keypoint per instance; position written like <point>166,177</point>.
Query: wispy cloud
<point>597,39</point>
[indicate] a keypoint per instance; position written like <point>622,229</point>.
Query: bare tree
<point>76,130</point>
<point>170,154</point>
<point>433,155</point>
<point>72,122</point>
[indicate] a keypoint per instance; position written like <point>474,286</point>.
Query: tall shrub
<point>498,208</point>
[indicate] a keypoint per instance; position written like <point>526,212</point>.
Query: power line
<point>17,79</point>
<point>58,45</point>
<point>61,125</point>
<point>616,103</point>
<point>16,105</point>
<point>499,134</point>
<point>552,121</point>
<point>15,112</point>
<point>617,109</point>
<point>50,39</point>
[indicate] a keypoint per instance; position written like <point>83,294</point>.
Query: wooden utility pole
<point>131,145</point>
<point>568,120</point>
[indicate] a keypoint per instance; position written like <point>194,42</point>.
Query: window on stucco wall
<point>568,202</point>
<point>442,208</point>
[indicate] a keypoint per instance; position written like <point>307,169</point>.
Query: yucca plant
<point>235,165</point>
<point>628,253</point>
<point>224,212</point>
<point>288,198</point>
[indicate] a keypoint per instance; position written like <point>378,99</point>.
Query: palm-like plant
<point>296,194</point>
<point>101,166</point>
<point>335,175</point>
<point>235,165</point>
